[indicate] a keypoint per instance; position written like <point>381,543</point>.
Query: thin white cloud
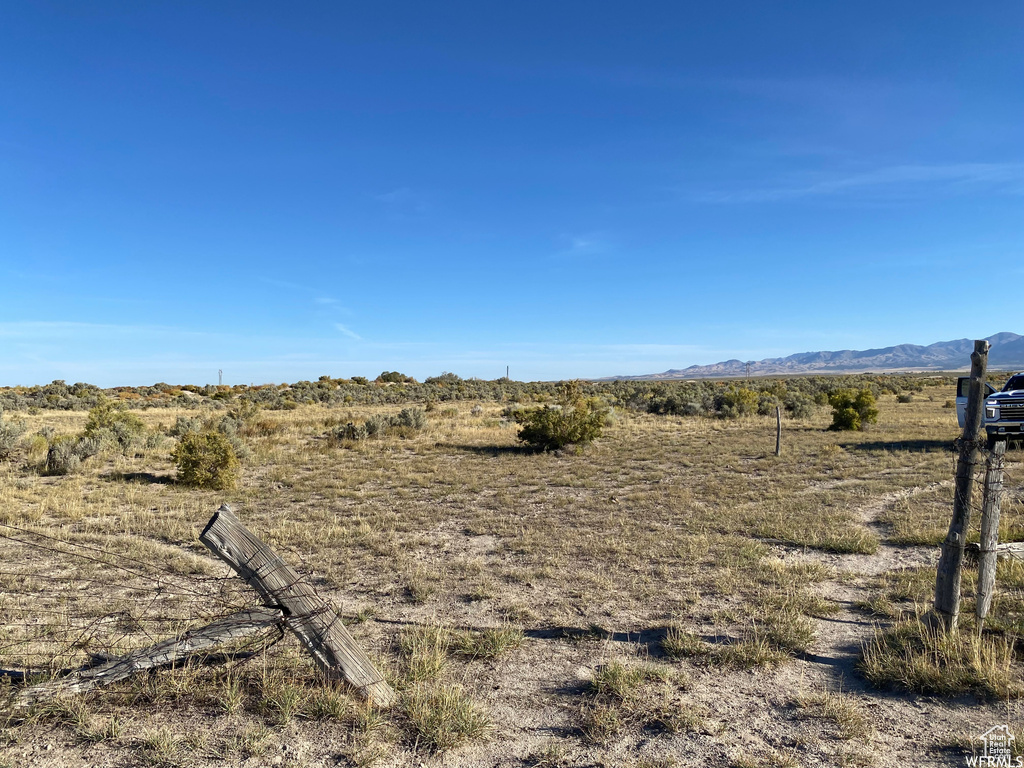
<point>584,244</point>
<point>404,203</point>
<point>400,195</point>
<point>348,332</point>
<point>900,180</point>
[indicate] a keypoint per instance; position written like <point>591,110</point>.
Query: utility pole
<point>506,373</point>
<point>220,378</point>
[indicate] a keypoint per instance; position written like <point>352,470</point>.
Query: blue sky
<point>571,189</point>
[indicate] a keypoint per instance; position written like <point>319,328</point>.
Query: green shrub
<point>394,377</point>
<point>206,460</point>
<point>851,409</point>
<point>576,420</point>
<point>906,397</point>
<point>737,401</point>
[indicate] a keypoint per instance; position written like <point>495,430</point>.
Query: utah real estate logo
<point>998,749</point>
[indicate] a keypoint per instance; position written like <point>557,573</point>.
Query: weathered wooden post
<point>990,510</point>
<point>778,430</point>
<point>164,654</point>
<point>947,579</point>
<point>313,620</point>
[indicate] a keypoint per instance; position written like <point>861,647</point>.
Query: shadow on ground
<point>921,446</point>
<point>147,478</point>
<point>494,450</point>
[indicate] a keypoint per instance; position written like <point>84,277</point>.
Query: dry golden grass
<point>663,521</point>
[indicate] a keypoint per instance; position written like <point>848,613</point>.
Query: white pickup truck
<point>1003,418</point>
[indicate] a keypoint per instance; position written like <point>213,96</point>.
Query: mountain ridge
<point>1007,352</point>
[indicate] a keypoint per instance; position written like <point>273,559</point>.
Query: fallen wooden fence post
<point>167,653</point>
<point>990,510</point>
<point>313,620</point>
<point>947,577</point>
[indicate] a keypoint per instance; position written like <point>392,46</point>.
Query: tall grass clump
<point>443,716</point>
<point>914,656</point>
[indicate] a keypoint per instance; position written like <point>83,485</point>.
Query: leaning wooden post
<point>947,579</point>
<point>778,430</point>
<point>313,620</point>
<point>165,654</point>
<point>990,509</point>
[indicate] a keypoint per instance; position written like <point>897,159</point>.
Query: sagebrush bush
<point>62,458</point>
<point>379,425</point>
<point>185,424</point>
<point>799,405</point>
<point>10,436</point>
<point>851,409</point>
<point>114,426</point>
<point>412,418</point>
<point>206,460</point>
<point>349,431</point>
<point>575,420</point>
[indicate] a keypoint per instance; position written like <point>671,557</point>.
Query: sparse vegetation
<point>434,532</point>
<point>404,424</point>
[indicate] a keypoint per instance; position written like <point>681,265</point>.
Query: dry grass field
<point>674,595</point>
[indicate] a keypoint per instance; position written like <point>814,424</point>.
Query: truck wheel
<point>991,442</point>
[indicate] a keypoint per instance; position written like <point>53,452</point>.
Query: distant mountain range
<point>1007,353</point>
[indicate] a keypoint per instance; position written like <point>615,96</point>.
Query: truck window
<point>1015,382</point>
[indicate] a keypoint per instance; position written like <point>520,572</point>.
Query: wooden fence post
<point>165,654</point>
<point>313,620</point>
<point>990,509</point>
<point>947,578</point>
<point>778,430</point>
